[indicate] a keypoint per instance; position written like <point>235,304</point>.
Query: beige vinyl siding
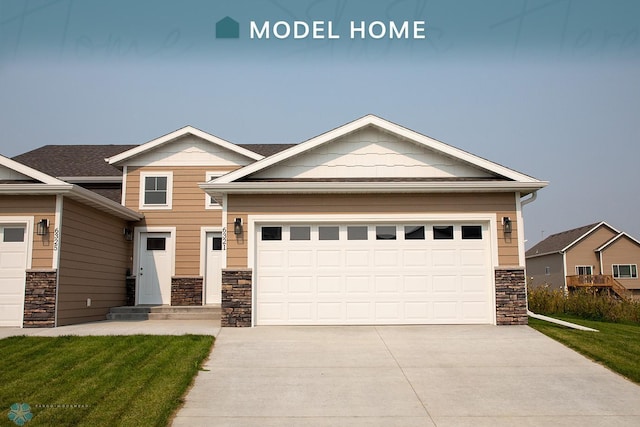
<point>536,271</point>
<point>38,207</point>
<point>500,204</point>
<point>94,258</point>
<point>622,251</point>
<point>583,252</point>
<point>188,213</point>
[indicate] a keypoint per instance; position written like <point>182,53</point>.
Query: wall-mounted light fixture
<point>506,224</point>
<point>42,227</point>
<point>237,227</point>
<point>128,234</point>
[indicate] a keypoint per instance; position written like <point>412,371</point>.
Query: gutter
<point>364,187</point>
<point>560,322</point>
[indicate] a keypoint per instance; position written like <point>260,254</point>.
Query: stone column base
<point>40,299</point>
<point>236,297</point>
<point>511,296</point>
<point>186,290</point>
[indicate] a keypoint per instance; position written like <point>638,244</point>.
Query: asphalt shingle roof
<point>88,160</point>
<point>557,242</point>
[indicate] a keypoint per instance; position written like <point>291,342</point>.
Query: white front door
<point>155,259</point>
<point>13,264</point>
<point>213,269</point>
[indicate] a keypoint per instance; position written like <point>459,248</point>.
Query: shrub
<point>585,303</point>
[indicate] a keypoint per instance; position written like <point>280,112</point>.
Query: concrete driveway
<point>404,376</point>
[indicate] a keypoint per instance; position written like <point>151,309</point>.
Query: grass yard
<point>99,381</point>
<point>616,346</point>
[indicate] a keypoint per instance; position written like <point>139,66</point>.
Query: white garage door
<point>13,263</point>
<point>353,274</point>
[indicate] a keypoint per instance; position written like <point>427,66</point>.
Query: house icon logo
<point>227,28</point>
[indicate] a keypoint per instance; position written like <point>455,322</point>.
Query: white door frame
<point>203,253</point>
<point>253,220</point>
<point>137,247</point>
<point>28,222</point>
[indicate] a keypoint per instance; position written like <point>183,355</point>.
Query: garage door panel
<point>330,312</point>
<point>357,258</point>
<point>329,258</point>
<point>300,285</point>
<point>386,258</point>
<point>358,285</point>
<point>444,258</point>
<point>415,258</point>
<point>420,280</point>
<point>300,258</point>
<point>417,284</point>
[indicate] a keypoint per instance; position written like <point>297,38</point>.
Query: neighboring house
<point>592,255</point>
<point>369,223</point>
<point>63,252</point>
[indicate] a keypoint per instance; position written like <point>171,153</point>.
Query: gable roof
<point>560,242</point>
<point>616,238</point>
<point>170,137</point>
<point>511,180</point>
<point>44,184</point>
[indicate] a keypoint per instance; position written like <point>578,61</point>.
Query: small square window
<point>13,234</point>
<point>414,232</point>
<point>357,232</point>
<point>443,232</point>
<point>472,232</point>
<point>271,233</point>
<point>156,243</point>
<point>329,233</point>
<point>386,232</point>
<point>300,233</point>
<point>217,244</point>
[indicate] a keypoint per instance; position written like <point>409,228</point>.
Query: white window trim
<point>166,206</point>
<point>624,278</point>
<point>209,175</point>
<point>584,266</point>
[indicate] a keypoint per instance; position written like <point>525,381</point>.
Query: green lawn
<point>136,380</point>
<point>616,346</point>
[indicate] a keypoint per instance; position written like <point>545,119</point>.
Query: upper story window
<point>210,202</point>
<point>156,190</point>
<point>625,271</point>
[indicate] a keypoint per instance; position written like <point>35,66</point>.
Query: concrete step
<point>127,316</point>
<point>165,312</point>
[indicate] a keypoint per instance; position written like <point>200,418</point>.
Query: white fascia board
<point>403,132</point>
<point>621,234</point>
<point>368,187</point>
<point>75,192</point>
<point>544,254</point>
<point>119,158</point>
<point>601,223</point>
<point>30,172</point>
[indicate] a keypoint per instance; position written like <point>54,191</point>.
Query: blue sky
<point>550,88</point>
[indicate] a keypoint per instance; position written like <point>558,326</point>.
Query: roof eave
<point>75,192</point>
<point>368,187</point>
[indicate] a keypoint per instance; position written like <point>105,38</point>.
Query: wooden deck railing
<point>598,281</point>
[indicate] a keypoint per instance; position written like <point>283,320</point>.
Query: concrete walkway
<point>122,327</point>
<point>403,376</point>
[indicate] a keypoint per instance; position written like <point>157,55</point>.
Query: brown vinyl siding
<point>94,258</point>
<point>38,207</point>
<point>583,252</point>
<point>188,213</point>
<point>536,268</point>
<point>622,251</point>
<point>500,204</point>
